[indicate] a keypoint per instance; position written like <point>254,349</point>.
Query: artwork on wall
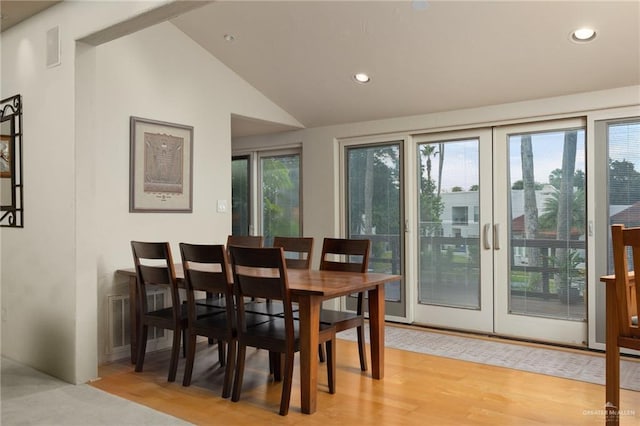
<point>5,156</point>
<point>161,166</point>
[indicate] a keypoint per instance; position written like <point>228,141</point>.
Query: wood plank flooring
<point>417,390</point>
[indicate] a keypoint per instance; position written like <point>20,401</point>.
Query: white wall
<point>39,264</point>
<point>161,74</point>
<point>76,154</point>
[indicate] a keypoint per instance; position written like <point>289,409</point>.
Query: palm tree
<point>530,204</point>
<point>565,208</point>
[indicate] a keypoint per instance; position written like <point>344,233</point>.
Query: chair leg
<point>185,337</point>
<point>228,372</point>
<point>275,365</point>
<point>331,365</point>
<point>361,349</point>
<point>286,385</point>
<point>237,382</point>
<point>175,352</point>
<point>221,353</point>
<point>142,346</point>
<point>321,353</point>
<point>191,354</point>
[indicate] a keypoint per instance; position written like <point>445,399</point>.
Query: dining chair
<point>298,251</point>
<point>205,269</point>
<point>258,306</point>
<point>623,306</point>
<point>262,273</point>
<point>350,255</point>
<point>154,269</point>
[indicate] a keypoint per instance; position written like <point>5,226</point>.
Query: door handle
<point>496,236</point>
<point>485,236</point>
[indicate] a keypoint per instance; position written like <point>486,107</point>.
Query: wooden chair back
<point>154,268</point>
<point>626,246</point>
<point>255,241</point>
<point>205,269</point>
<point>298,251</point>
<point>343,254</point>
<point>260,273</point>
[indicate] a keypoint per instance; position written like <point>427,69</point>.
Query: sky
<point>461,157</point>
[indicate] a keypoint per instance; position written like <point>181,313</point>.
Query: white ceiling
<point>422,56</point>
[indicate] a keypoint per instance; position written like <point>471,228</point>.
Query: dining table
<point>309,288</point>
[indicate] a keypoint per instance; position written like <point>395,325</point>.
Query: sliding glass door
<point>541,247</point>
<point>454,232</point>
<point>271,181</point>
<point>501,235</point>
<point>374,211</point>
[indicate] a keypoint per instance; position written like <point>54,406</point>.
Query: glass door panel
<point>541,286</point>
<point>454,210</point>
<point>374,211</point>
<point>280,198</point>
<point>240,195</point>
<point>623,143</point>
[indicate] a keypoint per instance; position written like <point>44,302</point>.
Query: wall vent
<point>119,344</point>
<point>53,47</point>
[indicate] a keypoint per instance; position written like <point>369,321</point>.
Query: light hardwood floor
<point>417,390</point>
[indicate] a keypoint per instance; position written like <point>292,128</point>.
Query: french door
<point>540,250</point>
<point>501,235</point>
<point>454,233</point>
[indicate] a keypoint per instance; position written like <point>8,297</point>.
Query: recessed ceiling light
<point>229,37</point>
<point>361,77</point>
<point>583,35</point>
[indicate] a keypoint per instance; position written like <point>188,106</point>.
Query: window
<point>459,215</point>
<point>623,177</point>
<point>280,196</point>
<point>277,194</point>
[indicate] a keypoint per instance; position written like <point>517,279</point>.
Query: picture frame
<point>5,156</point>
<point>161,167</point>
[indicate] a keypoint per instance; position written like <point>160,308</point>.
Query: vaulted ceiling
<point>422,56</point>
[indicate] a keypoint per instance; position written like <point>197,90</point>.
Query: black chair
<point>205,269</point>
<point>298,251</point>
<point>350,255</point>
<point>154,269</point>
<point>262,273</point>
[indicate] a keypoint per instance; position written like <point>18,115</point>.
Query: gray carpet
<point>30,397</point>
<point>578,366</point>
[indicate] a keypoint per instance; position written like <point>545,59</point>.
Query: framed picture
<point>5,156</point>
<point>161,166</point>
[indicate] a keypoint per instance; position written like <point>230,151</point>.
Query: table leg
<point>376,330</point>
<point>133,318</point>
<point>309,311</point>
<point>612,357</point>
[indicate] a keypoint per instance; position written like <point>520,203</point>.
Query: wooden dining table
<point>309,288</point>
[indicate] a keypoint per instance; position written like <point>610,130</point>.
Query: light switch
<point>222,206</point>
